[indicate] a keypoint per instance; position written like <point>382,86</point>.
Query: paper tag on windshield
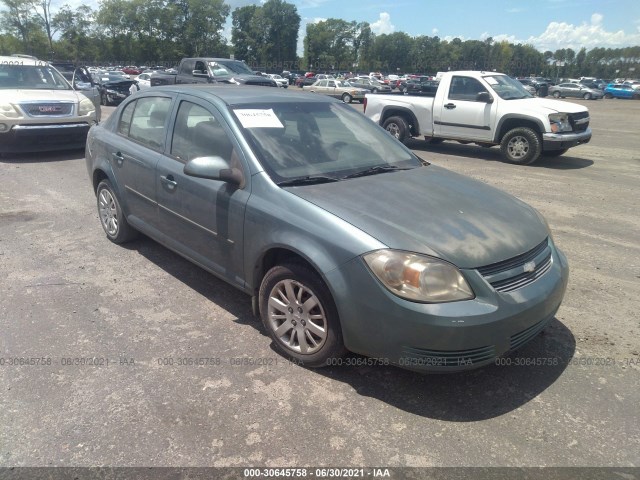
<point>253,118</point>
<point>491,80</point>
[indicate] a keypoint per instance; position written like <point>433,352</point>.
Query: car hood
<point>433,211</point>
<point>31,95</point>
<point>552,106</point>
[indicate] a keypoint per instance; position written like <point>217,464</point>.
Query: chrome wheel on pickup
<point>521,145</point>
<point>397,127</point>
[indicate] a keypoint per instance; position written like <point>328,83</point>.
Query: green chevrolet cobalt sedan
<point>343,238</point>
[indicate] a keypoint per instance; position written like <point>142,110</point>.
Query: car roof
<point>243,95</point>
<point>21,60</point>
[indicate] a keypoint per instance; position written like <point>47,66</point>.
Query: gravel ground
<point>68,293</point>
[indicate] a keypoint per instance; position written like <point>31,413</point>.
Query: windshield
<point>507,88</point>
<point>236,66</point>
<point>31,77</point>
<point>302,139</point>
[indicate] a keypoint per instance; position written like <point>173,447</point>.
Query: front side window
<point>197,133</point>
<point>465,88</point>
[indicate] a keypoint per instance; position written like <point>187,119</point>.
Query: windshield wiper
<point>310,180</point>
<point>376,170</point>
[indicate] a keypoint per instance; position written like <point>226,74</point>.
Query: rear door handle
<point>169,181</point>
<point>450,106</point>
<point>118,157</point>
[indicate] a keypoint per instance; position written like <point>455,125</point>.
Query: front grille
<point>419,357</point>
<point>50,109</point>
<point>519,271</point>
<point>579,121</point>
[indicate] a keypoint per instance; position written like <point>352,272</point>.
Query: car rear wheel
<point>298,311</point>
<point>587,96</point>
<point>556,94</point>
<point>112,218</point>
<point>346,98</point>
<point>521,145</point>
<point>397,127</point>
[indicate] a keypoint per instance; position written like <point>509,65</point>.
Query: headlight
<point>86,107</point>
<point>418,277</point>
<point>8,111</point>
<point>560,122</point>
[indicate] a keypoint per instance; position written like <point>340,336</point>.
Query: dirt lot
<point>143,315</point>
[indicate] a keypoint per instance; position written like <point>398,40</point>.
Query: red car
<point>131,70</point>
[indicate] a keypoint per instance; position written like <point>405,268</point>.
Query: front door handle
<point>450,106</point>
<point>118,157</point>
<point>169,181</point>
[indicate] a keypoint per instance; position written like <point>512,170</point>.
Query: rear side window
<point>144,121</point>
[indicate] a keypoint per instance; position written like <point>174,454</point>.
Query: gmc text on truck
<point>486,108</point>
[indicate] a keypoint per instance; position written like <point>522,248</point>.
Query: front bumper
<point>445,337</point>
<point>47,137</point>
<point>560,141</point>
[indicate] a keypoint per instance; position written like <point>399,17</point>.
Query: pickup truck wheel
<point>587,96</point>
<point>555,153</point>
<point>397,127</point>
<point>521,146</point>
<point>346,98</point>
<point>556,94</point>
<point>300,315</point>
<point>112,218</point>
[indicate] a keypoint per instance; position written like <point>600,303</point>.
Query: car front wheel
<point>112,218</point>
<point>556,94</point>
<point>521,145</point>
<point>587,96</point>
<point>298,311</point>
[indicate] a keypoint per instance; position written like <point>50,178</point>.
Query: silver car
<point>342,237</point>
<point>575,90</point>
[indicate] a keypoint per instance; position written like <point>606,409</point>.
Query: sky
<point>545,24</point>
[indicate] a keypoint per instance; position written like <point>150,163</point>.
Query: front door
<point>461,115</point>
<point>203,219</point>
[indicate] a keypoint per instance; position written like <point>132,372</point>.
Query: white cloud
<point>383,25</point>
<point>434,31</point>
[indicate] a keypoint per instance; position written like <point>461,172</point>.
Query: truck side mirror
<point>484,97</point>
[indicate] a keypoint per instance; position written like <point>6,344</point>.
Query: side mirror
<point>484,97</point>
<point>214,168</point>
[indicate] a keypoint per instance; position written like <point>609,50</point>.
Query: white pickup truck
<point>488,109</point>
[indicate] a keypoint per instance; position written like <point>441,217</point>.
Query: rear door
<point>203,219</point>
<point>134,152</point>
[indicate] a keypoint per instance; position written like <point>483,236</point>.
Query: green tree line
<point>266,37</point>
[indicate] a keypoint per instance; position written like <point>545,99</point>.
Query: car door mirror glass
<point>484,97</point>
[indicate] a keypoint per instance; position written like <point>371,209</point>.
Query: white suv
<point>39,110</point>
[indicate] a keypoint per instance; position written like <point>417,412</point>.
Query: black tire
<point>556,94</point>
<point>555,153</point>
<point>375,90</point>
<point>587,96</point>
<point>433,140</point>
<point>608,96</point>
<point>521,146</point>
<point>346,98</point>
<point>103,99</point>
<point>305,284</point>
<point>110,214</point>
<point>397,127</point>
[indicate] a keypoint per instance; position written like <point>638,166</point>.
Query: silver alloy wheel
<point>296,317</point>
<point>108,212</point>
<point>346,98</point>
<point>394,130</point>
<point>518,147</point>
